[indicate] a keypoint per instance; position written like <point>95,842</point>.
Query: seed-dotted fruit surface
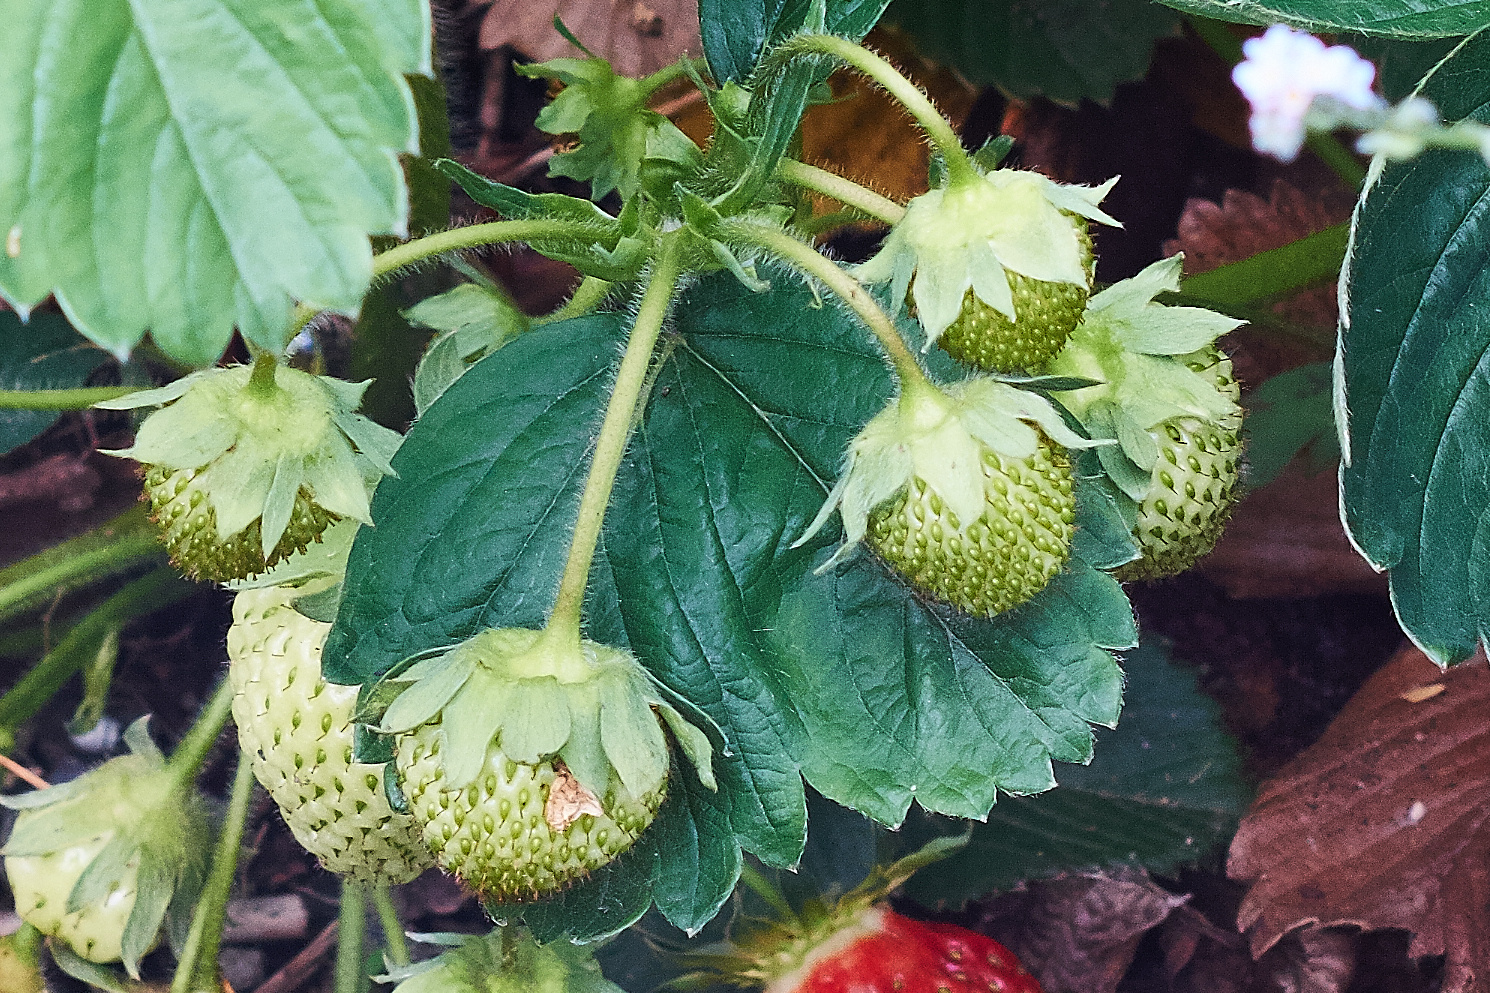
<point>998,561</point>
<point>183,511</point>
<point>1045,315</point>
<point>518,831</point>
<point>297,729</point>
<point>41,884</point>
<point>1194,485</point>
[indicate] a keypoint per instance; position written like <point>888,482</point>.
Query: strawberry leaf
<point>1416,347</point>
<point>1163,789</point>
<point>186,165</point>
<point>1390,18</point>
<point>44,354</point>
<point>846,679</point>
<point>1064,49</point>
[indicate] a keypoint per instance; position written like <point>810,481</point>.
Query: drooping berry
<point>530,758</point>
<point>1046,313</point>
<point>297,729</point>
<point>1194,483</point>
<point>998,265</point>
<point>963,490</point>
<point>246,465</point>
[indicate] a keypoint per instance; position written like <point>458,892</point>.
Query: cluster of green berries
<point>997,266</point>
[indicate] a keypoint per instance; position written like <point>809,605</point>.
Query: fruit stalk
<point>351,926</point>
<point>197,971</point>
<point>917,103</point>
<point>842,189</point>
<point>80,398</point>
<point>188,757</point>
<point>590,294</point>
<point>823,269</point>
<point>394,943</point>
<point>150,592</point>
<point>473,236</point>
<point>118,546</point>
<point>610,447</point>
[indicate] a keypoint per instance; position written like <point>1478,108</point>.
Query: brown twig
<point>293,975</point>
<point>21,772</point>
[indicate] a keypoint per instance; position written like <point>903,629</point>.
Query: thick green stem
<point>27,697</point>
<point>1312,259</point>
<point>610,447</point>
<point>474,236</point>
<point>845,191</point>
<point>395,943</point>
<point>590,294</point>
<point>825,271</point>
<point>197,971</point>
<point>78,399</point>
<point>912,98</point>
<point>124,543</point>
<point>350,929</point>
<point>188,757</point>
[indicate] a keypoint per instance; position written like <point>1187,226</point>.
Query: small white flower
<point>1284,72</point>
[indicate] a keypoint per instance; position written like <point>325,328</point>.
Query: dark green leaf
<point>1417,374</point>
<point>1400,65</point>
<point>1290,412</point>
<point>1164,788</point>
<point>44,354</point>
<point>190,165</point>
<point>847,678</point>
<point>735,32</point>
<point>1067,50</point>
<point>1393,18</point>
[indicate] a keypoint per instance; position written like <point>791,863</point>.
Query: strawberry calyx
<point>503,961</point>
<point>531,757</point>
<point>972,234</point>
<point>102,861</point>
<point>245,465</point>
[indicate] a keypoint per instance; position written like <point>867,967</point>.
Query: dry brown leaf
<point>1078,934</point>
<point>637,36</point>
<point>1286,540</point>
<point>1381,823</point>
<point>1244,224</point>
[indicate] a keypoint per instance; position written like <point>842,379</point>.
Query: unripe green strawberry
<point>102,861</point>
<point>41,883</point>
<point>20,970</point>
<point>532,758</point>
<point>997,265</point>
<point>1046,314</point>
<point>246,465</point>
<point>496,963</point>
<point>507,834</point>
<point>1194,482</point>
<point>297,729</point>
<point>1009,554</point>
<point>964,491</point>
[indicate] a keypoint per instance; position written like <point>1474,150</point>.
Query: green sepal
<point>1129,477</point>
<point>1126,315</point>
<point>622,145</point>
<point>596,254</point>
<point>494,963</point>
<point>321,605</point>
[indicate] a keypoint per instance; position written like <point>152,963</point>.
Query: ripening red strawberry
<point>881,951</point>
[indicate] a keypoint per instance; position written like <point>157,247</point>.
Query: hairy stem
<point>197,971</point>
<point>125,543</point>
<point>590,294</point>
<point>911,97</point>
<point>474,236</point>
<point>77,399</point>
<point>186,761</point>
<point>825,271</point>
<point>610,447</point>
<point>149,592</point>
<point>394,941</point>
<point>351,926</point>
<point>845,191</point>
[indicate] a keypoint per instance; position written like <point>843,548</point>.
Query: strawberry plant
<point>738,531</point>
